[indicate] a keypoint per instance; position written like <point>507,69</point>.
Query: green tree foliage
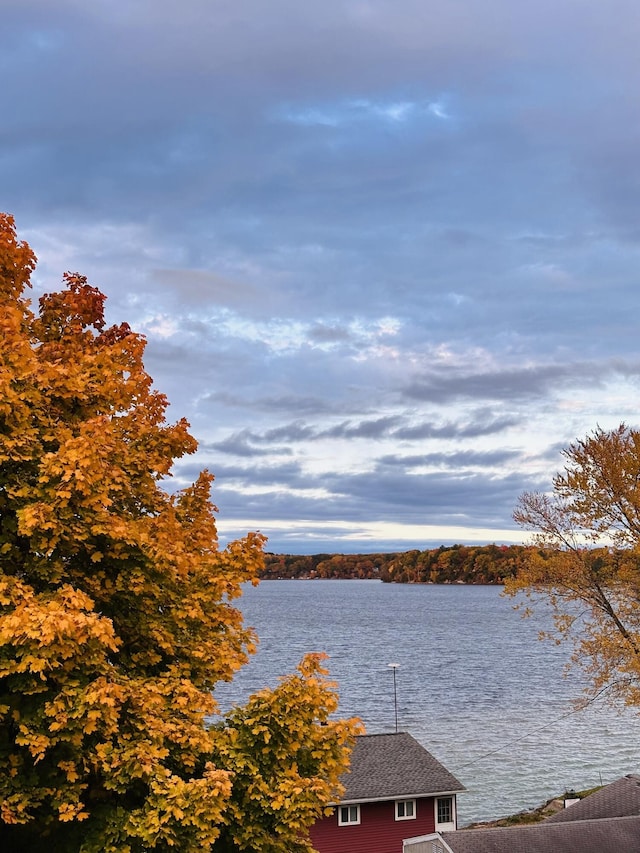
<point>116,614</point>
<point>587,557</point>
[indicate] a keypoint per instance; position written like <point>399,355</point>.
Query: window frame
<point>450,809</point>
<point>349,821</point>
<point>403,804</point>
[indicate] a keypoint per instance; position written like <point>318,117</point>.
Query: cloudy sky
<point>386,254</point>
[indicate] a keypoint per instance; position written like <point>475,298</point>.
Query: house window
<point>444,810</point>
<point>348,815</point>
<point>405,809</point>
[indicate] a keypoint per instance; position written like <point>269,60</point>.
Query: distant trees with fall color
<point>472,564</point>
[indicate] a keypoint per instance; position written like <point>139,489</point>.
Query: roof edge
<point>353,802</point>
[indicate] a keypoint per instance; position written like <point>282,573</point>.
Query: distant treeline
<point>481,564</point>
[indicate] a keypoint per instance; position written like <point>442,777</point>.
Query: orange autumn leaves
<point>587,559</point>
<point>116,610</point>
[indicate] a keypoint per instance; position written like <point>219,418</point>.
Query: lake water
<point>474,685</point>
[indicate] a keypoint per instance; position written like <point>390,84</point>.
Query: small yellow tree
<point>116,614</point>
<point>587,559</point>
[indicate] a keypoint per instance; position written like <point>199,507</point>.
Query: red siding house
<point>395,789</point>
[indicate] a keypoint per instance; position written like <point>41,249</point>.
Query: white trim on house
<point>432,843</point>
<point>352,820</point>
<point>407,796</point>
<point>408,809</point>
<point>445,826</point>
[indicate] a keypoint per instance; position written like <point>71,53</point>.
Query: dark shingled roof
<point>392,766</point>
<point>619,799</point>
<point>621,835</point>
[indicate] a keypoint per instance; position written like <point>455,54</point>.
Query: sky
<point>385,254</point>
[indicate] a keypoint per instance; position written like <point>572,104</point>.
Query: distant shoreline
<point>379,580</point>
<point>478,565</point>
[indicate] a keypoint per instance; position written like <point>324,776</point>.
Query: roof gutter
<point>353,802</point>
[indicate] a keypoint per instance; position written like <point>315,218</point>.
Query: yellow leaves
<point>37,744</point>
<point>586,565</point>
<point>287,757</point>
<point>45,641</point>
<point>48,631</point>
<point>312,665</point>
<point>31,517</point>
<point>116,616</point>
<point>17,261</point>
<point>14,809</point>
<point>70,770</point>
<point>7,587</point>
<point>71,811</point>
<point>182,813</point>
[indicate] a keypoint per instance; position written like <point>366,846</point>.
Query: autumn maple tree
<point>586,560</point>
<point>116,613</point>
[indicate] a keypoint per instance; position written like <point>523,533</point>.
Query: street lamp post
<point>395,666</point>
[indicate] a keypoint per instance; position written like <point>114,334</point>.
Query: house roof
<point>619,799</point>
<point>393,766</point>
<point>621,834</point>
<point>608,819</point>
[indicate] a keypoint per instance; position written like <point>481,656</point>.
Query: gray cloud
<point>322,332</point>
<point>199,287</point>
<point>484,422</point>
<point>510,384</point>
<point>240,444</point>
<point>246,441</point>
<point>470,499</point>
<point>463,459</point>
<point>364,429</point>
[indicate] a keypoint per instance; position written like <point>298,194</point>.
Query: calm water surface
<point>475,685</point>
